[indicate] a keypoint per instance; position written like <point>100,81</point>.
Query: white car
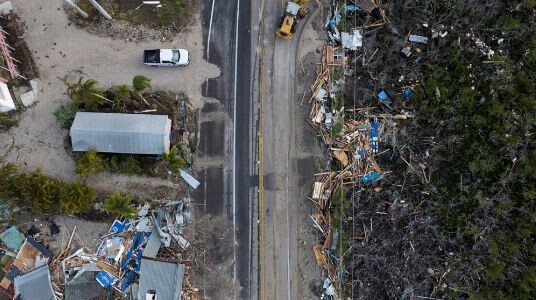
<point>166,57</point>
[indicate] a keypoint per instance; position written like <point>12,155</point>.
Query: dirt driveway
<point>60,48</point>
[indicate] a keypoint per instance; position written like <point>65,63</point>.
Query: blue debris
<point>118,226</point>
<point>370,177</point>
<point>127,280</point>
<point>105,279</point>
<point>350,8</point>
<point>360,153</point>
<point>374,133</point>
<point>384,97</point>
<point>139,238</point>
<point>407,93</point>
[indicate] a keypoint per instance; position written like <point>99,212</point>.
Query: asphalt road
<point>283,154</point>
<point>227,38</point>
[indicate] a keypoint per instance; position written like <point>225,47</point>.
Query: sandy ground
<point>86,235</point>
<point>61,48</point>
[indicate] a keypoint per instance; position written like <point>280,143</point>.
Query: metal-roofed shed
<point>163,278</point>
<point>121,133</point>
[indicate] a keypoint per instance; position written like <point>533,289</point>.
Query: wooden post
<point>82,13</point>
<point>101,10</point>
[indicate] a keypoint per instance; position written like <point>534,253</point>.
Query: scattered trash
<point>384,97</point>
<point>353,136</point>
<point>417,39</point>
<point>352,41</point>
<point>406,51</point>
<point>370,177</point>
<point>407,93</point>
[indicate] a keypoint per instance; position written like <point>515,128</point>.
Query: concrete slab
<point>28,98</point>
<point>6,8</point>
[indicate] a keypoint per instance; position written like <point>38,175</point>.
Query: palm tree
<point>174,160</point>
<point>140,83</point>
<point>85,93</point>
<point>119,204</point>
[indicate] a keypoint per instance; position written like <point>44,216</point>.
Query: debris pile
<point>124,262</point>
<point>353,137</point>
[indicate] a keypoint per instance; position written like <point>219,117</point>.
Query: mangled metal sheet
<point>153,245</point>
<point>189,179</point>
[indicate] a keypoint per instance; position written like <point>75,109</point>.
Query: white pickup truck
<point>166,57</point>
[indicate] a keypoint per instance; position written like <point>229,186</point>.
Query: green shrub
<point>89,163</point>
<point>7,121</point>
<point>129,166</point>
<point>65,114</point>
<point>76,197</point>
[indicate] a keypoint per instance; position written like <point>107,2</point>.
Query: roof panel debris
<point>125,255</point>
<point>165,279</point>
<point>35,285</point>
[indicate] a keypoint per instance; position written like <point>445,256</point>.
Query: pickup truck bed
<point>151,56</point>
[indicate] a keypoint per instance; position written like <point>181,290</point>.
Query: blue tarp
<point>407,93</point>
<point>370,177</point>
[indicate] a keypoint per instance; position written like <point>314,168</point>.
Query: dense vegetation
<point>43,194</point>
<point>90,163</point>
<point>484,116</point>
<point>467,230</point>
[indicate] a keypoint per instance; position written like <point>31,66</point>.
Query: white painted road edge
<point>234,139</point>
<point>288,188</point>
<point>210,31</point>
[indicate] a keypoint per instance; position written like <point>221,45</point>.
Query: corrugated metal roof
<point>85,287</point>
<point>162,277</point>
<point>121,133</point>
<point>153,245</point>
<point>35,285</point>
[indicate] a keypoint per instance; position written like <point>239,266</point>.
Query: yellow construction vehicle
<point>290,19</point>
